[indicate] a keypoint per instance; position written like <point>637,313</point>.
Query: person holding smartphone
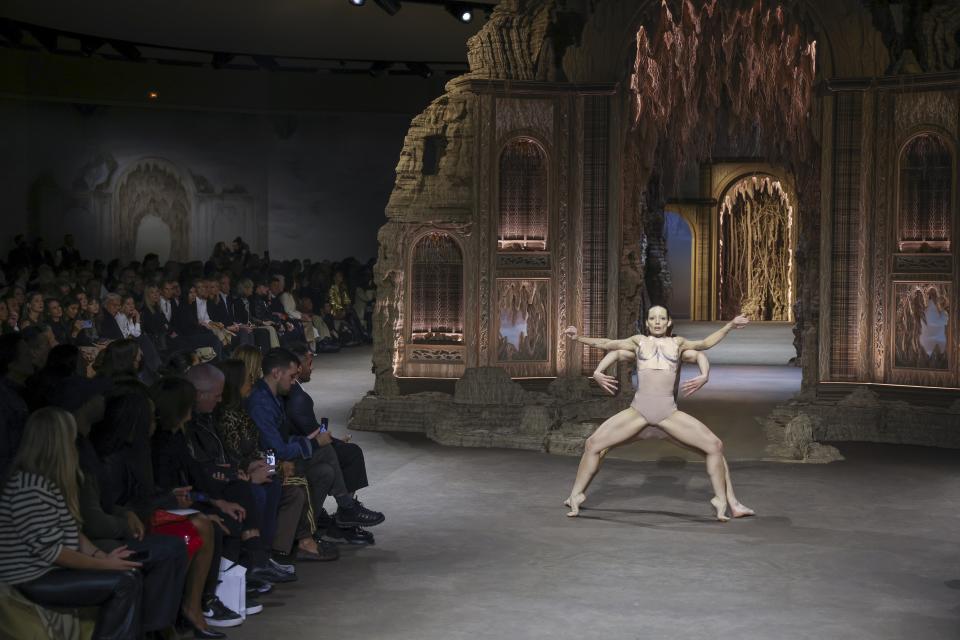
<point>321,467</point>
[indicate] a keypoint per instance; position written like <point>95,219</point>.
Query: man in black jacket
<point>344,456</point>
<point>207,449</point>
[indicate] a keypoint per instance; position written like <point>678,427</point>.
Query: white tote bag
<point>232,589</point>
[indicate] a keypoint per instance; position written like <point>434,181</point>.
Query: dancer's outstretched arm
<point>602,343</point>
<point>609,383</point>
<point>711,340</point>
<point>691,386</point>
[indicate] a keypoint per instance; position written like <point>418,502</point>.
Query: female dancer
<point>658,359</point>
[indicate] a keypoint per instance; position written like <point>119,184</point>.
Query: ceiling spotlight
<point>379,69</point>
<point>358,3</point>
<point>153,95</point>
<point>390,6</point>
<point>420,68</point>
<point>462,12</point>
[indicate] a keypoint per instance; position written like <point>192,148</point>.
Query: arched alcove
<point>679,238</point>
<point>925,206</point>
<point>523,178</point>
<point>153,236</point>
<point>152,187</point>
<point>755,255</point>
<point>436,287</point>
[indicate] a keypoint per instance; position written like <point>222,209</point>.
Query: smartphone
<point>271,457</point>
<point>86,324</point>
<point>323,425</point>
<point>138,556</point>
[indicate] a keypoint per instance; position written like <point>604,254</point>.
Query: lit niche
<point>522,320</point>
<point>921,333</point>
<point>524,216</point>
<point>437,291</point>
<point>926,195</point>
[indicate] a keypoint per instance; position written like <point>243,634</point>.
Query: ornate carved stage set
<point>812,153</point>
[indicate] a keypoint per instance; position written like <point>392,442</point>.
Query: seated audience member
<point>53,317</point>
<point>322,470</point>
<point>220,310</point>
<point>120,320</point>
<point>8,316</point>
<point>364,298</point>
<point>109,525</point>
<point>242,440</point>
<point>351,467</point>
<point>186,323</point>
<point>13,407</point>
<point>176,471</point>
<point>265,336</point>
<point>341,309</point>
<point>245,543</point>
<point>32,312</point>
<point>38,340</point>
<point>43,553</point>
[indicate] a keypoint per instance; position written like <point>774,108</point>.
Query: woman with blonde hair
<point>42,551</point>
<point>252,359</point>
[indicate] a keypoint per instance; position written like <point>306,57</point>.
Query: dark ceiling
<point>314,28</point>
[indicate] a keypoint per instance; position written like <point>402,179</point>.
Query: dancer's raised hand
<point>607,383</point>
<point>740,321</point>
<point>693,385</point>
<point>571,332</point>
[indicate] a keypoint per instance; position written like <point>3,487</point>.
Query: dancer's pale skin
<point>681,427</point>
<point>691,386</point>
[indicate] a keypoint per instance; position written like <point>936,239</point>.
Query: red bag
<point>165,523</point>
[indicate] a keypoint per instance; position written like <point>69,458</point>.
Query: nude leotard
<point>655,399</point>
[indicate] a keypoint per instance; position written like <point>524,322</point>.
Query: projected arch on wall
<point>524,214</point>
<point>153,187</point>
<point>436,301</point>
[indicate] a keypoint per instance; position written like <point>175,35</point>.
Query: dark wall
<point>320,181</point>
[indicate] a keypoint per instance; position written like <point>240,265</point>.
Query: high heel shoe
<point>184,625</point>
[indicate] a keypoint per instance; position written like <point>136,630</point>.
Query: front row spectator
<point>42,550</point>
<point>311,451</point>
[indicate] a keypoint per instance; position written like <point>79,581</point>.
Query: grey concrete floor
<point>476,546</point>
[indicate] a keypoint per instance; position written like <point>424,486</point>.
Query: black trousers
<point>352,465</point>
<point>164,572</point>
<point>117,593</point>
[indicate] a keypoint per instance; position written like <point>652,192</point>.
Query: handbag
<point>232,589</point>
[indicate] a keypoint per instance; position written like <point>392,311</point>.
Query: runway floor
<point>476,546</point>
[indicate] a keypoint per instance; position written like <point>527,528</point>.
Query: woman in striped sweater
<point>42,551</point>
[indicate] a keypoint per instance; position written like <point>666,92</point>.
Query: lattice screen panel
<point>437,291</point>
<point>845,258</point>
<point>925,194</point>
<point>524,218</point>
<point>596,170</point>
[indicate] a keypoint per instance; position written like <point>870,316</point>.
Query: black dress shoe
<point>358,516</point>
<point>269,574</point>
<point>349,535</point>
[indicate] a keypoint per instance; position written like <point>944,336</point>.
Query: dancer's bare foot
<point>720,505</point>
<point>574,502</point>
<point>738,510</point>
